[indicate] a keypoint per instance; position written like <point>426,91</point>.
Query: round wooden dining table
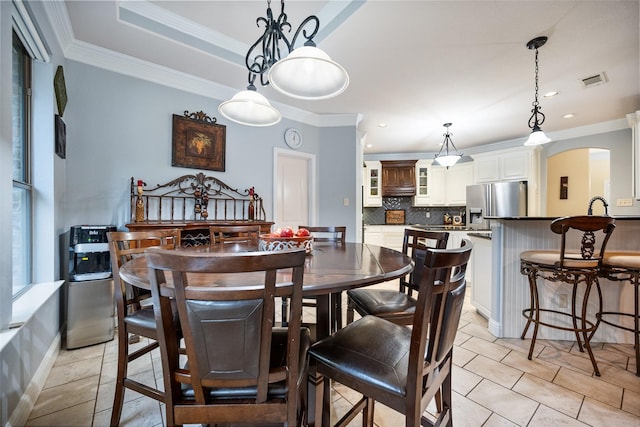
<point>329,268</point>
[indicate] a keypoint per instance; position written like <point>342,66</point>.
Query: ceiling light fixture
<point>305,73</point>
<point>537,136</point>
<point>447,158</point>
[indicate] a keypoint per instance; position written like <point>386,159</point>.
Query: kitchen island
<point>510,289</point>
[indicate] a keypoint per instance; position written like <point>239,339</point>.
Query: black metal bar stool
<point>573,266</point>
<point>624,266</point>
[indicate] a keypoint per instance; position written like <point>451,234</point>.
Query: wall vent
<point>594,80</point>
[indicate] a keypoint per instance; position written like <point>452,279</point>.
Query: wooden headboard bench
<point>192,203</point>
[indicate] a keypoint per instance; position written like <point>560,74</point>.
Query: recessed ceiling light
<point>567,116</point>
<point>550,94</point>
<point>382,125</point>
<point>369,145</point>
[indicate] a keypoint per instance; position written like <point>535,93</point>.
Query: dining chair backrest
<point>414,245</point>
<point>238,370</point>
<point>126,245</point>
<point>327,234</point>
<point>583,239</point>
<point>134,317</point>
<point>234,233</point>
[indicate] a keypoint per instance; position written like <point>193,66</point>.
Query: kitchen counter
<point>510,288</point>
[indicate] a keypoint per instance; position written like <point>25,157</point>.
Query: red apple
<point>302,232</point>
<point>276,233</point>
<point>286,232</point>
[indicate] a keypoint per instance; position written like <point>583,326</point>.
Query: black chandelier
<point>537,136</point>
<point>305,72</point>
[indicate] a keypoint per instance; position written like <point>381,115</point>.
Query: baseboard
<point>495,328</point>
<point>28,400</point>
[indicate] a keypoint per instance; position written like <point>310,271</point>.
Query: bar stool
<point>569,266</point>
<point>624,266</point>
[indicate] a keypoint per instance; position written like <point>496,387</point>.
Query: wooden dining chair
<point>397,306</point>
<point>325,234</point>
<point>402,368</point>
<point>239,369</point>
<point>134,319</point>
<point>249,233</point>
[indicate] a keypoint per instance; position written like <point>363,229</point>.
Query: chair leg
<point>123,355</point>
<point>585,334</point>
<point>534,312</point>
<point>285,304</point>
<point>336,311</point>
<point>367,413</point>
<point>349,312</point>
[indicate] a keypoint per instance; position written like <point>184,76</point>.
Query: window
<point>22,182</point>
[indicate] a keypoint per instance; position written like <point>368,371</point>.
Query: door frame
<point>312,185</point>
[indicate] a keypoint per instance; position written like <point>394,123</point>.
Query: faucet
<point>604,202</point>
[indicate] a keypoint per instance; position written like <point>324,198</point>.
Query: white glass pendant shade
<point>448,160</point>
<point>537,137</point>
<point>250,108</point>
<point>308,73</point>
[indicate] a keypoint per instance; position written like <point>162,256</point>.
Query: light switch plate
<point>624,202</point>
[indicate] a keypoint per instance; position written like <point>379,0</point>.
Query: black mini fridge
<point>90,307</point>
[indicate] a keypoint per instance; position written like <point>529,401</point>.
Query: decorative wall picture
<point>564,187</point>
<point>198,142</point>
<point>61,137</point>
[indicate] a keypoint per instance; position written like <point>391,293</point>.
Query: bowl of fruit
<point>286,238</point>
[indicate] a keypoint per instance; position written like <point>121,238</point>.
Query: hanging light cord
<point>533,120</point>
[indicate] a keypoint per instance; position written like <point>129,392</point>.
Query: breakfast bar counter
<point>510,289</point>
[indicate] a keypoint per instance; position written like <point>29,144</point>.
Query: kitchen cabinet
<point>446,187</point>
<point>388,236</point>
<point>372,184</point>
<point>398,178</point>
<point>423,183</point>
<point>481,277</point>
<point>503,165</point>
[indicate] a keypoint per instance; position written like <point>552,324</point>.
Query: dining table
<point>330,268</point>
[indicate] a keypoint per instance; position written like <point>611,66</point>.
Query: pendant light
<point>447,158</point>
<point>305,73</point>
<point>250,108</point>
<point>537,136</point>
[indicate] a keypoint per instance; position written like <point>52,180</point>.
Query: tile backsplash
<point>413,215</point>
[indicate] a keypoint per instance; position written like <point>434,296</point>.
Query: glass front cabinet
<point>372,184</point>
<point>423,183</point>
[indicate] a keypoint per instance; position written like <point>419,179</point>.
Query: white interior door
<point>293,186</point>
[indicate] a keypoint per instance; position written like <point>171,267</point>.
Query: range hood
<point>399,178</point>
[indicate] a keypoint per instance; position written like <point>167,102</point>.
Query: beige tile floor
<point>494,385</point>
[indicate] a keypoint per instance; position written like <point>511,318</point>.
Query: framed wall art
<point>198,142</point>
<point>61,137</point>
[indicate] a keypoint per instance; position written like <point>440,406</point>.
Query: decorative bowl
<point>269,243</point>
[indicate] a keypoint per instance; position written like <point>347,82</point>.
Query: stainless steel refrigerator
<point>498,199</point>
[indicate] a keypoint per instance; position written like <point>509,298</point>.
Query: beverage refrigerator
<point>88,293</point>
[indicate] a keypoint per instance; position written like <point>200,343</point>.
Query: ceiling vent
<point>594,80</point>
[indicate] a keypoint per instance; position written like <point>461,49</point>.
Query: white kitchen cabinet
<point>423,183</point>
<point>445,187</point>
<point>481,277</point>
<point>373,235</point>
<point>372,184</point>
<point>454,241</point>
<point>388,236</point>
<point>502,165</point>
<point>457,179</point>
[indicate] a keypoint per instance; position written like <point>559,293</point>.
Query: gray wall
<point>119,127</point>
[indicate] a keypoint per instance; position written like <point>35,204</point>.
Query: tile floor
<point>494,385</point>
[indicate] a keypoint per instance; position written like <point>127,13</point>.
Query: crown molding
<point>116,62</point>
